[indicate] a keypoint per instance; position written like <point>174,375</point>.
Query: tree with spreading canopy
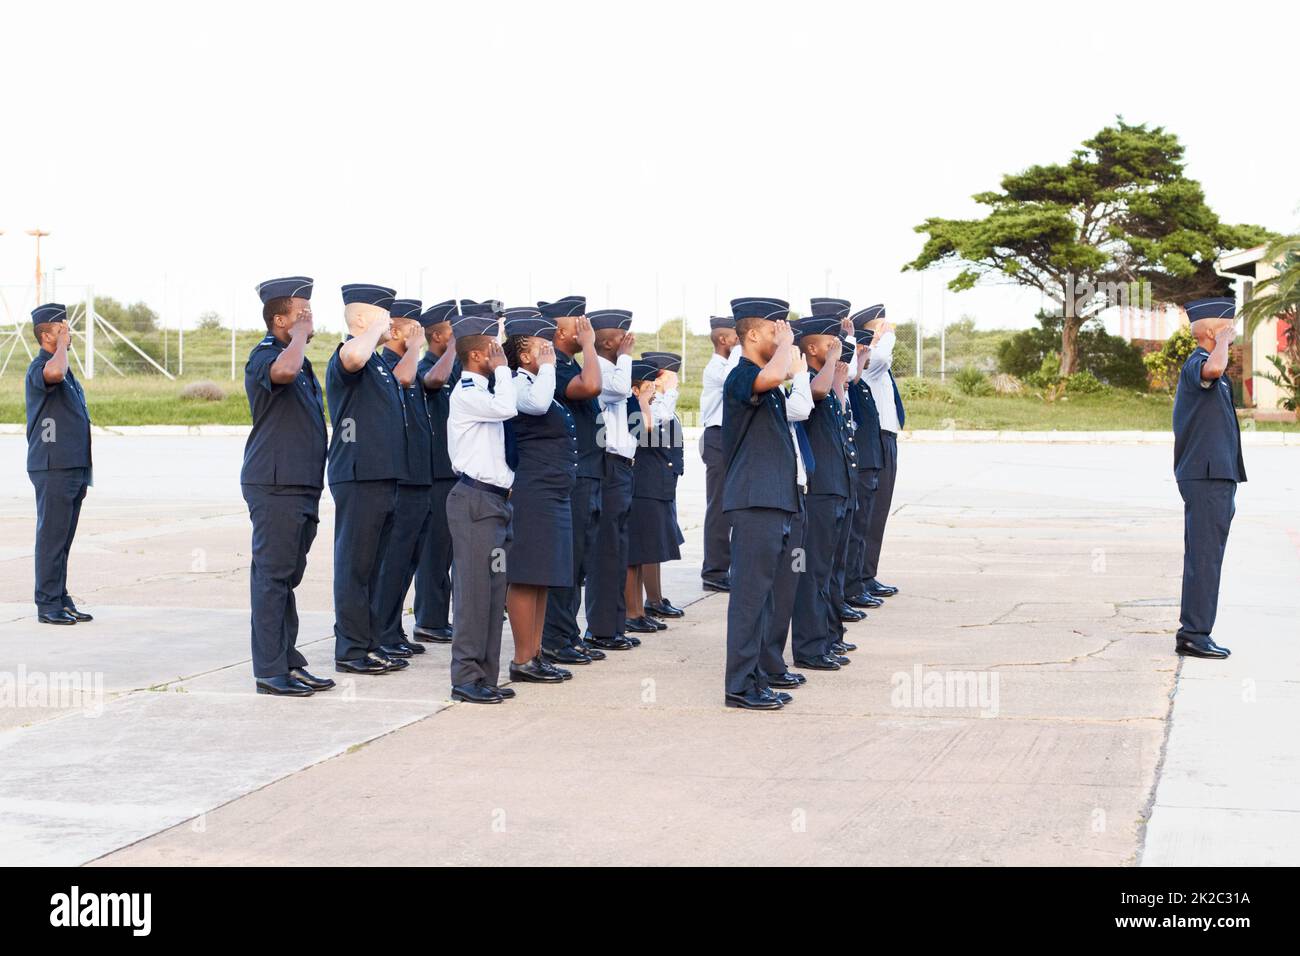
<point>1118,220</point>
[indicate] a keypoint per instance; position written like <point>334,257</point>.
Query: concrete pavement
<point>1010,706</point>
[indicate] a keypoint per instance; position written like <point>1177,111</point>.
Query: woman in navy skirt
<point>543,442</point>
<point>653,533</point>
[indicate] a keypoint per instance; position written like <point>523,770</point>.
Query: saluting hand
<point>841,374</point>
<point>625,347</point>
<point>496,356</point>
<point>846,325</point>
<point>302,328</point>
<point>665,381</point>
<point>584,333</point>
<point>864,355</point>
<point>784,334</point>
<point>385,326</point>
<point>64,336</point>
<point>414,332</point>
<point>1226,335</point>
<point>546,353</point>
<point>798,364</point>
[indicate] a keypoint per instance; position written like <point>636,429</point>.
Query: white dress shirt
<point>615,389</point>
<point>715,377</point>
<point>881,385</point>
<point>663,406</point>
<point>798,407</point>
<point>476,438</point>
<point>534,393</point>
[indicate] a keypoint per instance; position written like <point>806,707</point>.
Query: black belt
<point>615,456</point>
<point>485,486</point>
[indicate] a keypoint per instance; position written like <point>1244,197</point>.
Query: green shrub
<point>1110,358</point>
<point>924,389</point>
<point>1083,383</point>
<point>971,381</point>
<point>1047,374</point>
<point>1165,365</point>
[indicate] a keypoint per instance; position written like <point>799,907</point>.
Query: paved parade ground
<point>1017,703</point>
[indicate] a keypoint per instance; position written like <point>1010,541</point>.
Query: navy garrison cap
<point>865,336</point>
<point>863,316</point>
<point>760,308</point>
<point>486,307</point>
<point>49,312</point>
<point>290,287</point>
<point>376,295</point>
<point>526,320</point>
<point>816,325</point>
<point>610,319</point>
<point>405,308</point>
<point>666,361</point>
<point>1217,308</point>
<point>442,312</point>
<point>839,308</point>
<point>464,325</point>
<point>846,351</point>
<point>643,371</point>
<point>721,322</point>
<point>569,305</point>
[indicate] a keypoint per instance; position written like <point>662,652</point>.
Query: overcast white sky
<point>181,153</point>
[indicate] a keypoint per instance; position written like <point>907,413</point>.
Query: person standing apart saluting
<point>1207,466</point>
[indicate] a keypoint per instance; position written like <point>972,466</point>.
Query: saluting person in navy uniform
<point>816,625</point>
<point>577,388</point>
<point>607,573</point>
<point>282,479</point>
<point>401,354</point>
<point>889,406</point>
<point>760,495</point>
<point>651,527</point>
<point>717,533</point>
<point>478,510</point>
<point>58,460</point>
<point>545,451</point>
<point>1208,466</point>
<point>367,457</point>
<point>668,436</point>
<point>439,372</point>
<point>870,457</point>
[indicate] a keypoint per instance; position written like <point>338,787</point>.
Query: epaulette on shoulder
<point>466,383</point>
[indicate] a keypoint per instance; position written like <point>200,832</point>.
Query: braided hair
<point>514,344</point>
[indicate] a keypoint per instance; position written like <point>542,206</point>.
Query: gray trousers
<point>881,503</point>
<point>480,529</point>
<point>717,526</point>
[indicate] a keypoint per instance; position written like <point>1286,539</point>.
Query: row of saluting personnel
<point>543,477</point>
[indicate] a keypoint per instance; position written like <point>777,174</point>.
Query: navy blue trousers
<point>760,549</point>
<point>607,570</point>
<point>816,620</point>
<point>839,567</point>
<point>772,658</point>
<point>433,569</point>
<point>399,561</point>
<point>285,518</point>
<point>562,604</point>
<point>363,523</point>
<point>881,503</point>
<point>1208,507</point>
<point>855,581</point>
<point>59,494</point>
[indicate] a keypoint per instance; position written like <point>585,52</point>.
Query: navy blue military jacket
<point>287,443</point>
<point>419,429</point>
<point>658,463</point>
<point>586,417</point>
<point>58,421</point>
<point>757,444</point>
<point>439,406</point>
<point>866,436</point>
<point>368,439</point>
<point>1207,438</point>
<point>828,436</point>
<point>546,449</point>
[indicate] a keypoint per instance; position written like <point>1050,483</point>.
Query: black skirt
<point>542,550</point>
<point>653,535</point>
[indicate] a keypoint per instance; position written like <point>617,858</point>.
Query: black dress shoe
<point>394,650</point>
<point>876,589</point>
<point>77,615</point>
<point>1208,650</point>
<point>663,608</point>
<point>566,655</point>
<point>534,672</point>
<point>477,693</point>
<point>843,647</point>
<point>283,685</point>
<point>653,622</point>
<point>413,648</point>
<point>822,663</point>
<point>591,652</point>
<point>780,695</point>
<point>785,680</point>
<point>849,615</point>
<point>302,676</point>
<point>507,693</point>
<point>433,635</point>
<point>839,659</point>
<point>548,666</point>
<point>630,638</point>
<point>610,643</point>
<point>865,600</point>
<point>640,625</point>
<point>753,700</point>
<point>56,617</point>
<point>723,586</point>
<point>372,663</point>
